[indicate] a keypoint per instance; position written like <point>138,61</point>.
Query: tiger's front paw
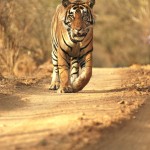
<point>54,86</point>
<point>67,89</point>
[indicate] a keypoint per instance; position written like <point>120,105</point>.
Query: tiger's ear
<point>91,3</point>
<point>65,3</point>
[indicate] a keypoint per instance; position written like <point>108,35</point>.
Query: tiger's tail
<point>82,79</point>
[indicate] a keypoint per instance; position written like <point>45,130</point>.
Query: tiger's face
<point>78,20</point>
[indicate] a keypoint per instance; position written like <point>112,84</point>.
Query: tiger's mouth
<point>77,37</point>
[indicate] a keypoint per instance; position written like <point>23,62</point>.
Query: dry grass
<point>121,36</point>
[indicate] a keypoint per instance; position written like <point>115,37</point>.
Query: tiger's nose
<point>78,31</point>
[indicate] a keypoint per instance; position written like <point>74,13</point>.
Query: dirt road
<point>102,116</point>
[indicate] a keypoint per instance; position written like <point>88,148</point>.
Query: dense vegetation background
<point>121,33</point>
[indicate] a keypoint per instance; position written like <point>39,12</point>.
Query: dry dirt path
<point>133,135</point>
<point>99,117</point>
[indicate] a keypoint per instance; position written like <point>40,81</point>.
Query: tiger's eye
<point>85,18</point>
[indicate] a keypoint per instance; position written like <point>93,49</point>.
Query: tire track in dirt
<point>36,118</point>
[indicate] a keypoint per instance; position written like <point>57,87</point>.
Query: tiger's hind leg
<point>86,72</point>
<point>55,83</point>
<point>74,73</point>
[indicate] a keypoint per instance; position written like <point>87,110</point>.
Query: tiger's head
<point>78,18</point>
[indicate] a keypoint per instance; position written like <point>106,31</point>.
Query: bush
<point>121,31</point>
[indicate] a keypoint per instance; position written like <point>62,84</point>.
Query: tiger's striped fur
<point>72,45</point>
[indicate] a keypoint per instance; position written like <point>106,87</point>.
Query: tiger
<point>72,45</point>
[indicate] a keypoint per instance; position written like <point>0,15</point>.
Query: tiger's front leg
<point>55,83</point>
<point>64,71</point>
<point>74,73</point>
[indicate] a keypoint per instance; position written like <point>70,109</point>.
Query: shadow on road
<point>104,91</point>
<point>11,102</point>
<point>145,89</point>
